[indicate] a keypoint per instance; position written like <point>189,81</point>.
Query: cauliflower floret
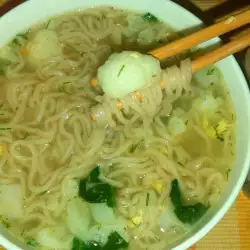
<point>178,122</point>
<point>207,104</point>
<point>127,72</point>
<point>216,131</point>
<point>42,47</point>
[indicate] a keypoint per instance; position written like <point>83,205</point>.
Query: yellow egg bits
<point>215,132</point>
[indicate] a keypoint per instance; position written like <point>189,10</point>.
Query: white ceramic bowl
<point>34,11</point>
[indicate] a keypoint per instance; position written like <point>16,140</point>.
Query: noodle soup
<point>137,180</point>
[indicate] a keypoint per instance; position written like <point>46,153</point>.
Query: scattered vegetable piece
<point>25,51</point>
<point>147,199</point>
<point>3,65</point>
<point>187,214</point>
<point>93,190</point>
<point>209,130</point>
<point>32,243</point>
<point>210,71</point>
<point>5,128</point>
<point>80,245</point>
<point>5,224</point>
<point>115,242</point>
<point>122,68</point>
<point>158,187</point>
<point>137,220</point>
<point>228,172</point>
<point>134,146</point>
<point>150,18</point>
<point>23,35</point>
<point>222,127</point>
<point>94,82</point>
<point>47,24</point>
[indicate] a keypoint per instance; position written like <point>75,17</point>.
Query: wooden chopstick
<point>222,52</point>
<point>202,36</point>
<point>241,42</point>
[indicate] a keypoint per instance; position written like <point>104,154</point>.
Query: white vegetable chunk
<point>54,238</point>
<point>11,201</point>
<point>44,46</point>
<point>178,122</point>
<point>207,104</point>
<point>207,76</point>
<point>70,188</point>
<point>107,221</point>
<point>168,220</point>
<point>78,217</point>
<point>127,72</point>
<point>100,233</point>
<point>102,213</point>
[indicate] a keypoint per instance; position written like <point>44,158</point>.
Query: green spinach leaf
<point>185,213</point>
<point>93,190</point>
<point>115,242</point>
<point>80,245</point>
<point>150,18</point>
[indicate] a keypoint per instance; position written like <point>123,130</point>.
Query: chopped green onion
<point>32,243</point>
<point>210,71</point>
<point>25,135</point>
<point>5,128</point>
<point>47,24</point>
<point>147,199</point>
<point>23,35</point>
<point>181,164</point>
<point>122,68</point>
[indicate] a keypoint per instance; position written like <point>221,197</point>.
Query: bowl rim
<point>25,6</point>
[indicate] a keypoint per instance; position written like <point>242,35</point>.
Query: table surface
<point>206,4</point>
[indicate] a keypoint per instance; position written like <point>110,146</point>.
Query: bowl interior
<point>34,11</point>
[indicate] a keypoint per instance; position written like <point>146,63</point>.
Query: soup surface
<point>136,181</point>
